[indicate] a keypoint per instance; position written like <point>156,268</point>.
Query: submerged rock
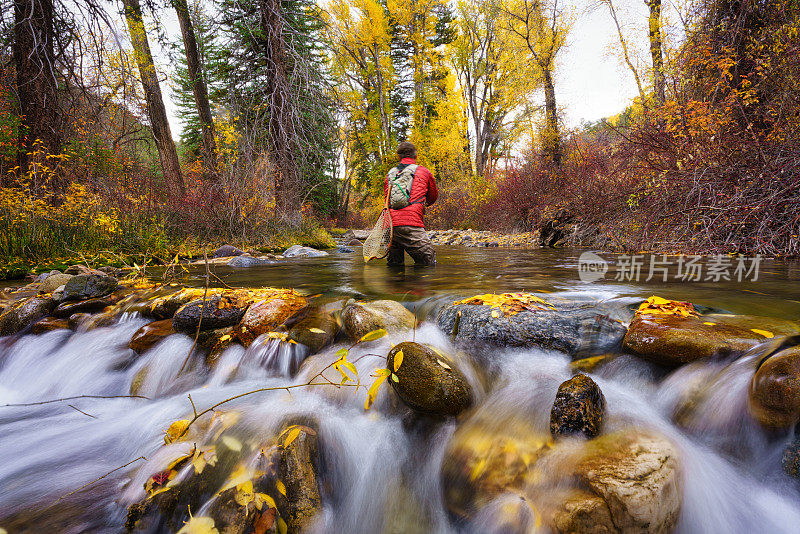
<point>426,380</point>
<point>150,334</point>
<point>188,317</point>
<point>673,341</point>
<point>24,313</point>
<point>569,327</point>
<point>296,251</point>
<point>791,459</point>
<point>774,396</point>
<point>360,318</point>
<point>485,459</point>
<point>87,286</point>
<point>578,408</point>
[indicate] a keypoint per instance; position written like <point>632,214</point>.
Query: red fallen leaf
<point>264,521</point>
<point>161,478</point>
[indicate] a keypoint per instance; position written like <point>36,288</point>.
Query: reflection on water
<point>462,270</point>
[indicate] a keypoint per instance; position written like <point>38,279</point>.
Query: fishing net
<point>380,239</point>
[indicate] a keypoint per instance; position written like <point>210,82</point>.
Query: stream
<point>60,462</point>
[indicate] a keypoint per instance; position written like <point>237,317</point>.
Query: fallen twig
<point>77,397</point>
<point>84,413</point>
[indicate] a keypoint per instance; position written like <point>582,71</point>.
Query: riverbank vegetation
<point>291,113</point>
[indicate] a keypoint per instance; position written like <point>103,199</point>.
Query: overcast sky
<point>591,80</point>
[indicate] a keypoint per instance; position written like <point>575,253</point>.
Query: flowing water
<point>58,461</point>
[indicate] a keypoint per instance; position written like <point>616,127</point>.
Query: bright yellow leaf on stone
<point>282,527</point>
<point>281,487</point>
<point>292,435</point>
<point>176,430</point>
<point>709,323</point>
<point>244,493</point>
<point>764,333</point>
<point>661,306</point>
<point>395,379</point>
<point>316,330</point>
<point>199,525</point>
<point>398,360</point>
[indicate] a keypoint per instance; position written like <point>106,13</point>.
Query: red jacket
<point>424,187</point>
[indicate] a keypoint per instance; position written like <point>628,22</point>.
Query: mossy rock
<point>427,381</point>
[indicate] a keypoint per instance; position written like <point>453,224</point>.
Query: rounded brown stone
<point>578,408</point>
<point>774,398</point>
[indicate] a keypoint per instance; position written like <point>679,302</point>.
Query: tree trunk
<point>655,50</point>
<point>155,102</point>
<point>198,87</point>
<point>282,135</point>
<point>36,83</point>
<point>552,139</point>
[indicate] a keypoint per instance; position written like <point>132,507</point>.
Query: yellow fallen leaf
<point>226,337</point>
<point>281,487</point>
<point>176,430</point>
<point>232,443</point>
<point>709,323</point>
<point>199,525</point>
<point>372,336</point>
<point>262,499</point>
<point>316,330</point>
<point>282,527</point>
<point>291,436</point>
<point>395,379</point>
<point>764,333</point>
<point>440,362</point>
<point>398,360</point>
<point>244,493</point>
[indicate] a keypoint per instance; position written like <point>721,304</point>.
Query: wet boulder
<point>268,314</point>
<point>215,342</point>
<point>216,312</point>
<point>24,313</point>
<point>525,320</point>
<point>226,251</point>
<point>296,251</point>
<point>315,329</point>
<point>77,320</point>
<point>94,305</point>
<point>165,306</point>
<point>150,334</point>
<point>88,286</point>
<point>426,381</point>
<point>672,340</point>
<point>360,318</point>
<point>637,476</point>
<point>48,324</point>
<point>578,408</point>
<point>299,471</point>
<point>54,281</point>
<point>582,511</point>
<point>774,395</point>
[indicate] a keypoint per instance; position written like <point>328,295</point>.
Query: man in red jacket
<point>409,233</point>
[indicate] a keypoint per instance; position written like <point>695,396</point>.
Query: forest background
<point>292,110</point>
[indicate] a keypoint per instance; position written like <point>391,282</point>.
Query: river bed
<point>58,460</point>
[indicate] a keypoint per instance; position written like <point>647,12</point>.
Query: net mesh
<point>380,239</point>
